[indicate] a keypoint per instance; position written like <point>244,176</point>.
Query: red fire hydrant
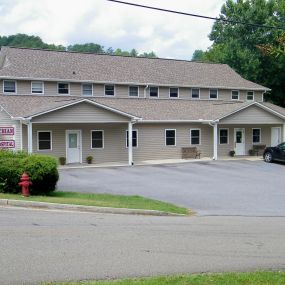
<point>25,183</point>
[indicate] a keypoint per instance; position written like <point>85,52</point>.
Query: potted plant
<point>232,153</point>
<point>62,160</point>
<point>251,152</point>
<point>89,159</point>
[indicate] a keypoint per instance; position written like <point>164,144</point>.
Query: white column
<point>30,137</point>
<point>283,132</point>
<point>21,135</point>
<point>130,149</point>
<point>215,142</point>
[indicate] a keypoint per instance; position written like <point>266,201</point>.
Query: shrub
<point>232,153</point>
<point>89,159</point>
<point>251,152</point>
<point>62,160</point>
<point>42,170</point>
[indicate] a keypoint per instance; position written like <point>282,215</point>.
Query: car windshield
<point>282,146</point>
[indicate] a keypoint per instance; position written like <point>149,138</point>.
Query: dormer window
<point>213,94</point>
<point>87,89</point>
<point>37,87</point>
<point>235,95</point>
<point>250,96</point>
<point>9,86</point>
<point>109,90</point>
<point>173,92</point>
<point>153,92</point>
<point>63,88</point>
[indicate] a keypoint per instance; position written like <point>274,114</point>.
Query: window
<point>213,94</point>
<point>250,96</point>
<point>37,87</point>
<point>87,89</point>
<point>224,135</point>
<point>133,91</point>
<point>235,95</point>
<point>173,92</point>
<point>109,90</point>
<point>195,136</point>
<point>170,137</point>
<point>256,135</point>
<point>63,88</point>
<point>44,140</point>
<point>135,138</point>
<point>9,86</point>
<point>97,139</point>
<point>153,91</point>
<point>195,93</point>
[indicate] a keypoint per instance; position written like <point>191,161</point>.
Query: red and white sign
<point>7,144</point>
<point>7,131</point>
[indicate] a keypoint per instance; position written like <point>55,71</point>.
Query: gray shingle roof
<point>71,66</point>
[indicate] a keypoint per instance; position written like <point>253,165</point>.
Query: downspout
<point>147,86</point>
<point>214,124</point>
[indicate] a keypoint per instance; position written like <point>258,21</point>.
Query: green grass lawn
<point>252,278</point>
<point>101,200</point>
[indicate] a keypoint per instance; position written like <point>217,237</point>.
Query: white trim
<point>210,94</point>
<point>85,83</point>
<point>165,130</point>
<point>129,96</point>
<point>176,121</point>
<point>199,94</point>
<point>66,144</point>
<point>260,140</point>
<point>130,148</point>
<point>270,110</point>
<point>177,92</point>
<point>62,82</point>
<point>232,95</point>
<point>30,137</point>
<point>215,142</point>
<point>153,97</point>
<point>43,88</point>
<point>3,109</point>
<point>284,132</point>
<point>21,135</point>
<point>105,90</point>
<point>15,86</point>
<point>103,139</point>
<point>200,135</point>
<point>253,96</point>
<point>236,111</point>
<point>227,136</point>
<point>134,130</point>
<point>44,131</point>
<point>271,135</point>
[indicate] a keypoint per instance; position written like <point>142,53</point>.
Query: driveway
<point>247,188</point>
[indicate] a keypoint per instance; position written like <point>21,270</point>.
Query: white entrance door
<point>73,146</point>
<point>275,136</point>
<point>239,141</point>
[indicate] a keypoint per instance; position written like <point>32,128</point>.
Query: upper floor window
<point>87,89</point>
<point>9,86</point>
<point>213,94</point>
<point>133,91</point>
<point>109,90</point>
<point>235,95</point>
<point>173,92</point>
<point>153,91</point>
<point>195,93</point>
<point>250,96</point>
<point>63,88</point>
<point>37,87</point>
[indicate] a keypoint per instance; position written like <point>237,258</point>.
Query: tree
<point>198,54</point>
<point>277,49</point>
<point>88,47</point>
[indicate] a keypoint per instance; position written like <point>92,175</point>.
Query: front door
<point>239,142</point>
<point>275,136</point>
<point>73,146</point>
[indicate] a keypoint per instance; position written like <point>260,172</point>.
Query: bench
<point>258,149</point>
<point>190,152</point>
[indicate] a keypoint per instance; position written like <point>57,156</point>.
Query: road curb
<point>80,208</point>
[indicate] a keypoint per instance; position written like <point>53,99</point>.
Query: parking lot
<point>247,188</point>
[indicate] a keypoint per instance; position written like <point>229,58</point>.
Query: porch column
<point>30,137</point>
<point>215,142</point>
<point>284,132</point>
<point>130,137</point>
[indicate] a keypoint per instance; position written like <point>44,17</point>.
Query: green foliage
<point>62,160</point>
<point>41,169</point>
<point>198,55</point>
<point>89,47</point>
<point>89,159</point>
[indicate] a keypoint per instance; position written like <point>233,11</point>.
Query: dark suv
<point>275,153</point>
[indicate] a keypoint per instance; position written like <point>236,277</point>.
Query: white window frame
<point>127,138</point>
<point>9,81</point>
<point>259,135</point>
<point>223,129</point>
<point>103,139</point>
<point>86,83</point>
<point>252,96</point>
<point>199,94</point>
<point>217,94</point>
<point>43,87</point>
<point>177,92</point>
<point>138,91</point>
<point>38,145</point>
<point>175,137</point>
<point>63,94</point>
<point>152,97</point>
<point>200,136</point>
<point>105,90</point>
<point>232,95</point>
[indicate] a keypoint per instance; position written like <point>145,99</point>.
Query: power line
<point>198,16</point>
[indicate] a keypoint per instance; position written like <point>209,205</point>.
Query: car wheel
<point>268,157</point>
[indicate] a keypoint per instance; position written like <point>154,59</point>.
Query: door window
<point>238,136</point>
<point>72,140</point>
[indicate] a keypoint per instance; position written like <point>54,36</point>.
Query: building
<point>126,109</point>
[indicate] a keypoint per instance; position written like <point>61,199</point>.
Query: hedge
<point>42,170</point>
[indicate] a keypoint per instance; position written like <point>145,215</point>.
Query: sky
<point>114,25</point>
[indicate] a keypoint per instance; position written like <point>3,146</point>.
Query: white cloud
<point>110,24</point>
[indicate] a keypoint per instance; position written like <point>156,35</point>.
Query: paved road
<point>43,246</point>
<point>248,188</point>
